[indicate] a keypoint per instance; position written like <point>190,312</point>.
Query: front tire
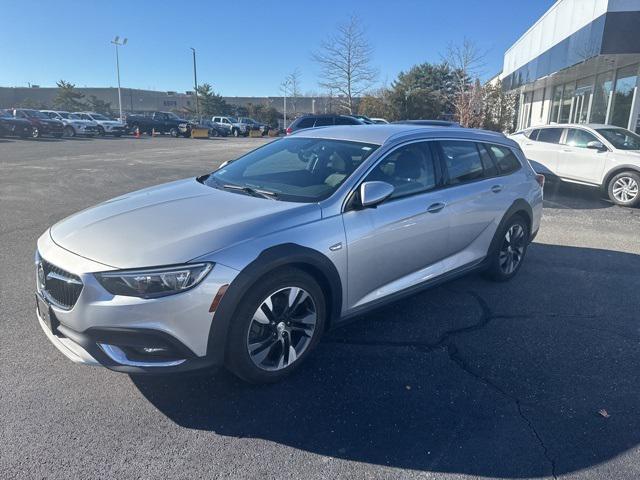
<point>173,132</point>
<point>510,249</point>
<point>69,132</point>
<point>276,325</point>
<point>101,131</point>
<point>235,132</point>
<point>624,189</point>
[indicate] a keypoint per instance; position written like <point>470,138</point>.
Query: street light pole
<point>116,42</point>
<point>195,82</point>
<point>284,87</point>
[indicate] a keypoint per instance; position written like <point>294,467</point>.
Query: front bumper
<point>114,129</point>
<point>112,330</point>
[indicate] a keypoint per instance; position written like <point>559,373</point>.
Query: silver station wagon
<point>247,266</point>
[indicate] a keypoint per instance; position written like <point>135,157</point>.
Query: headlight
<point>155,282</point>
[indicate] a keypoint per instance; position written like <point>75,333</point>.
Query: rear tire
<point>266,346</point>
<point>505,260</point>
<point>173,132</point>
<point>624,189</point>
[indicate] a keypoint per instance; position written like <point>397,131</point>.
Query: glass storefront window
<point>565,106</point>
<point>555,105</point>
<point>623,96</point>
<point>604,85</point>
<point>582,100</point>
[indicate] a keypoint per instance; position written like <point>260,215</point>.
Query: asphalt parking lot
<point>470,379</point>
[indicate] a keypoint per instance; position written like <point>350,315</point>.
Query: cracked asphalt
<point>471,379</point>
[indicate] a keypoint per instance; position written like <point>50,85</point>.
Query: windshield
<point>620,138</point>
<point>233,119</point>
<point>173,115</point>
<point>63,114</point>
<point>97,116</point>
<point>72,116</point>
<point>295,169</point>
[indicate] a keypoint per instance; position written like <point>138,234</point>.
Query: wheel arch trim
<point>273,258</point>
<point>617,170</point>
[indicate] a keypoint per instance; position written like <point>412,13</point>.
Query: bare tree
<point>292,84</point>
<point>466,62</point>
<point>345,62</point>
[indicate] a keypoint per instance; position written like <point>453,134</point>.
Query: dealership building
<point>579,63</point>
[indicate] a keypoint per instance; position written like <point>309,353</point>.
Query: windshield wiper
<point>252,191</point>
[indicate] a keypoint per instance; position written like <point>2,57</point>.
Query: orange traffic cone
<point>137,132</point>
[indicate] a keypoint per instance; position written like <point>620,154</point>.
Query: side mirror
<point>374,193</point>
<point>596,145</point>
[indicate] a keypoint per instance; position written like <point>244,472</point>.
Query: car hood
<point>110,123</point>
<point>173,223</point>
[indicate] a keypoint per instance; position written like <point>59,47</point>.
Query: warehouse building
<point>579,63</point>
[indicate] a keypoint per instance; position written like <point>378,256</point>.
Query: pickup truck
<point>237,127</point>
<point>160,122</point>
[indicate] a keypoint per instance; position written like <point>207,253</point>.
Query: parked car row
<point>27,122</point>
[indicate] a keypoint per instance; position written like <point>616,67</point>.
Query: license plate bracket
<point>46,314</point>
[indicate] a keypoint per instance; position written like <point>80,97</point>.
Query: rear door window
<point>462,161</point>
<point>490,168</point>
<point>550,135</point>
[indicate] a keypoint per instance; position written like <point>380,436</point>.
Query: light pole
<point>195,82</point>
<point>284,87</point>
<point>116,42</point>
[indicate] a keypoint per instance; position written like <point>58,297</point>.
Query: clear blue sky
<point>245,48</point>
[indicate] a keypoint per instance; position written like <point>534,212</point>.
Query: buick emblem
<point>41,276</point>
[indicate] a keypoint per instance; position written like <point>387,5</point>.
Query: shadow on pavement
<point>571,196</point>
<point>473,377</point>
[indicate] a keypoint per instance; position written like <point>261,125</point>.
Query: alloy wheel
<point>281,328</point>
<point>625,189</point>
<point>512,249</point>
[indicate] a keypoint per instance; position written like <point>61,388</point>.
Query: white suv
<point>597,155</point>
<point>73,123</point>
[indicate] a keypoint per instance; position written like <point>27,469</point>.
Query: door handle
<point>436,207</point>
<point>496,188</point>
<point>529,143</point>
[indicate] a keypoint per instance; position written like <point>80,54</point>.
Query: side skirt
<point>477,265</point>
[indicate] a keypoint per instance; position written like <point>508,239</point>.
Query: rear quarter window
<point>505,159</point>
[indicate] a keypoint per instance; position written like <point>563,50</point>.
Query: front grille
<point>62,288</point>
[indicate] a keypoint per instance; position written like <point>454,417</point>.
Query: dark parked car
<point>40,122</point>
<point>159,122</point>
<point>311,121</point>
<point>215,129</point>
<point>429,123</point>
<point>255,125</point>
<point>14,127</point>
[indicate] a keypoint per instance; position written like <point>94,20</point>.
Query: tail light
<point>289,131</point>
<point>540,180</point>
